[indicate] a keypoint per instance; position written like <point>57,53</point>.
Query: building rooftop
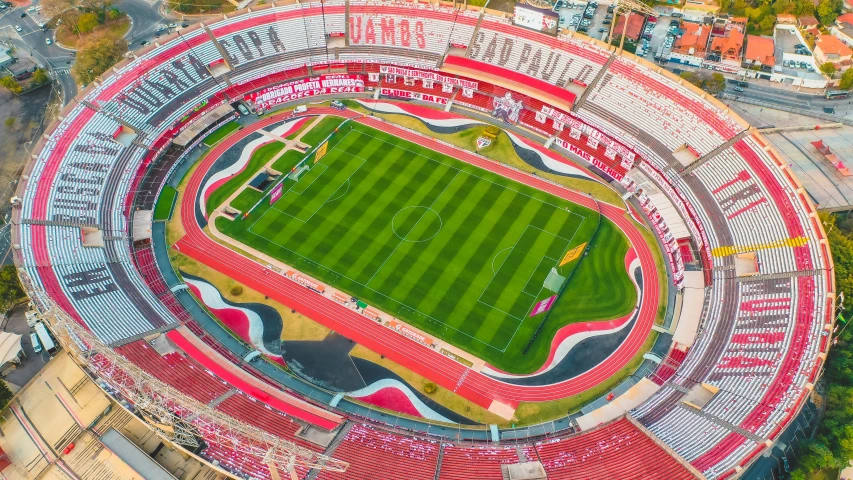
<point>635,26</point>
<point>831,45</point>
<point>846,18</point>
<point>760,49</point>
<point>786,18</point>
<point>695,38</point>
<point>808,20</point>
<point>730,45</point>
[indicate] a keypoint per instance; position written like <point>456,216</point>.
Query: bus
<point>837,94</point>
<point>45,339</point>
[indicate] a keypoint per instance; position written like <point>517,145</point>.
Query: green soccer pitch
<point>457,251</point>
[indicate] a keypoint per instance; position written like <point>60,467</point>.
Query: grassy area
<point>221,132</point>
<point>246,199</point>
<point>295,325</point>
<point>459,252</point>
<point>165,202</point>
<point>288,161</point>
<point>259,158</point>
<point>321,130</point>
<point>115,29</point>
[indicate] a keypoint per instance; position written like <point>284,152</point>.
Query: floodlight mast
<point>174,415</point>
<point>625,7</point>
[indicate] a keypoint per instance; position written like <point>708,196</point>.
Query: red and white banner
<point>424,97</point>
<point>276,193</point>
<point>392,70</point>
<point>543,306</point>
<point>307,87</point>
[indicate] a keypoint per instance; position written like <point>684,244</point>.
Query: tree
<point>832,446</point>
<point>828,69</point>
<point>40,77</point>
<point>114,14</point>
<point>827,10</point>
<point>11,84</point>
<point>87,22</point>
<point>9,122</point>
<point>96,57</point>
<point>714,84</point>
<point>691,77</point>
<point>11,292</point>
<point>846,79</point>
<point>5,395</point>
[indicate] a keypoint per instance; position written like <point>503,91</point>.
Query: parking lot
<point>588,18</point>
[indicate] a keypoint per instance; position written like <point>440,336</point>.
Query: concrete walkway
<point>288,145</point>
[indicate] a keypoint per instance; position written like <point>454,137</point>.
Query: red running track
<point>422,360</point>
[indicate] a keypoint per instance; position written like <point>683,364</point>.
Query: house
<point>786,19</point>
<point>694,41</point>
<point>22,68</point>
<point>635,26</point>
<point>759,52</point>
<point>808,21</point>
<point>729,47</point>
<point>6,58</point>
<point>830,49</point>
<point>843,28</point>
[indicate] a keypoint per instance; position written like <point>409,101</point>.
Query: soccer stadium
<point>424,240</point>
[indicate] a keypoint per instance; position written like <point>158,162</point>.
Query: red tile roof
<point>635,26</point>
<point>760,49</point>
<point>830,45</point>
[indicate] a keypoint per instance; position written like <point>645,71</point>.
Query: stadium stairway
<point>589,88</point>
<point>713,153</point>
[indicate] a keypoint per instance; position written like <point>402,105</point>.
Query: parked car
<point>34,339</point>
<point>144,43</point>
<point>607,22</point>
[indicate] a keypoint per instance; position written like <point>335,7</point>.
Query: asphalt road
<point>31,40</point>
<point>792,99</point>
<point>145,19</point>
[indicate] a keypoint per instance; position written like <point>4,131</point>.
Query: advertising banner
<point>424,97</point>
<point>427,75</point>
<point>276,193</point>
<point>543,306</point>
<point>306,87</point>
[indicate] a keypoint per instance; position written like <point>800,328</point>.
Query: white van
<point>300,109</point>
<point>34,338</point>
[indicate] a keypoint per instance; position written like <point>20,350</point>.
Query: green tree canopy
<point>96,57</point>
<point>846,79</point>
<point>11,84</point>
<point>40,76</point>
<point>87,22</point>
<point>828,68</point>
<point>11,292</point>
<point>5,395</point>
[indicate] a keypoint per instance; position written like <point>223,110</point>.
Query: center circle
<point>416,223</point>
